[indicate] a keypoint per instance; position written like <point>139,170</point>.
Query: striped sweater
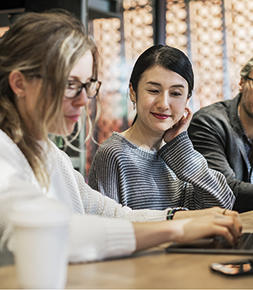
<point>176,175</point>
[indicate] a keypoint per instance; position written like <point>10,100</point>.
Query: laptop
<point>217,245</point>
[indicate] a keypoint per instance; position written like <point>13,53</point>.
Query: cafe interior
<point>212,33</point>
<point>217,36</point>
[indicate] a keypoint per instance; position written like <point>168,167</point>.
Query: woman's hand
<point>206,223</point>
<point>226,222</point>
<point>181,126</point>
<point>209,226</point>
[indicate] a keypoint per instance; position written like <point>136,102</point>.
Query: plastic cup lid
<point>41,211</point>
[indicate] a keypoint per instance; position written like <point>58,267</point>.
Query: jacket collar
<point>233,114</point>
<point>235,123</point>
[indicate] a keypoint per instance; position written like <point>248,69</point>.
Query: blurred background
<point>217,36</point>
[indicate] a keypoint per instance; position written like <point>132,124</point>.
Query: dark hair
<point>165,56</point>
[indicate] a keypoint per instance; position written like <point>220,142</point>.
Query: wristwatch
<point>171,212</point>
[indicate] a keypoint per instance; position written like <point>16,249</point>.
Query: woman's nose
<point>82,99</point>
<point>163,101</point>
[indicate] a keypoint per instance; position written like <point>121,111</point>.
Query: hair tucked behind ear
<point>47,45</point>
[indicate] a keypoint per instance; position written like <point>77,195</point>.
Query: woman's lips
<point>160,116</point>
<point>73,118</point>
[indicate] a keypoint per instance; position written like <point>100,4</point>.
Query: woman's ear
<point>17,83</point>
<point>132,93</point>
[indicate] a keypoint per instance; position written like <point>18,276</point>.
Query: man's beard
<point>249,114</point>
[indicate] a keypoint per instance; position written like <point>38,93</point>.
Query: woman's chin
<point>63,133</point>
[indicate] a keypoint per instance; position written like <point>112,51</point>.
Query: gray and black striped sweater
<point>176,175</point>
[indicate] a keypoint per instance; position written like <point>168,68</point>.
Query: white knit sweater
<point>100,227</point>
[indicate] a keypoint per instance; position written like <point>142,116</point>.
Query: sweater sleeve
<point>103,173</point>
<point>103,230</point>
<point>95,238</point>
<point>95,203</point>
<point>91,237</point>
<point>206,187</point>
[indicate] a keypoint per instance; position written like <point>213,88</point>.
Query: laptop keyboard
<point>217,245</point>
<point>245,242</point>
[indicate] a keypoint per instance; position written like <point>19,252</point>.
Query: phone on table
<point>234,268</point>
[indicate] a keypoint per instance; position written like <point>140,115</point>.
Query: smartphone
<point>233,268</point>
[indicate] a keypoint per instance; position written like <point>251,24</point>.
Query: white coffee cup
<point>40,236</point>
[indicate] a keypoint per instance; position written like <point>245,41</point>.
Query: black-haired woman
<point>153,165</point>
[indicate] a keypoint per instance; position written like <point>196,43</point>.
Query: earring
<point>134,105</point>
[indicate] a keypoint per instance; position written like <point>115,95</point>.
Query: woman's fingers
<point>226,233</point>
<point>210,225</point>
<point>217,211</point>
<point>213,211</point>
<point>188,114</point>
<point>228,229</point>
<point>235,225</point>
<point>236,219</point>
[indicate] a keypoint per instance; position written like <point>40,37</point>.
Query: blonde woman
<point>48,71</point>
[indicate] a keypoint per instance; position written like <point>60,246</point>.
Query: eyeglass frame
<point>249,78</point>
<point>84,85</point>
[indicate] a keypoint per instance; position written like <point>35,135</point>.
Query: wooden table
<point>153,269</point>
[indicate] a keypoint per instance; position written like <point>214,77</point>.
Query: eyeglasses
<point>74,89</point>
<point>249,78</point>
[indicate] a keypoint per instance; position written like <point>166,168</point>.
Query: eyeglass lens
<point>74,88</point>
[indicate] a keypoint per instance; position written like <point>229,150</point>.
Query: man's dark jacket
<point>215,132</point>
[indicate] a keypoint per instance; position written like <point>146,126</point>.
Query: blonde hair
<point>45,45</point>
